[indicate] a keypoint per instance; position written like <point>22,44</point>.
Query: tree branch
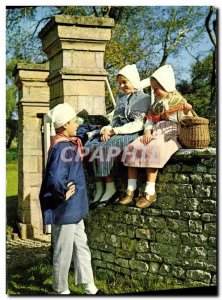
<point>39,22</point>
<point>207,24</point>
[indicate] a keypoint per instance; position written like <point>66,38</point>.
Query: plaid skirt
<point>103,154</point>
<point>158,151</point>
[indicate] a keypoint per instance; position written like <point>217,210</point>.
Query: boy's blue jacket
<point>63,166</point>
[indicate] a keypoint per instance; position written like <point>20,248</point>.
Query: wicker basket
<point>194,132</point>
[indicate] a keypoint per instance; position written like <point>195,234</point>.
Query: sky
<point>3,3</point>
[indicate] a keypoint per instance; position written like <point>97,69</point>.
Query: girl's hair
<point>170,95</point>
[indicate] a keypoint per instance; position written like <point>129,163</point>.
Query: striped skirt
<point>158,151</point>
<point>103,154</point>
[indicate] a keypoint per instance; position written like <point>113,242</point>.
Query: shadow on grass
<point>11,211</point>
<point>31,278</point>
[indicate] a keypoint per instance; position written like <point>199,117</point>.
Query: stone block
<point>210,229</point>
<point>213,241</point>
<point>149,257</point>
<point>84,33</point>
<point>207,217</point>
<point>138,265</point>
<point>208,178</point>
<point>128,244</point>
<point>113,240</point>
<point>87,59</point>
<point>156,222</point>
<point>30,164</point>
<point>122,262</point>
<point>154,267</point>
<point>190,204</point>
<point>84,88</point>
<point>182,178</point>
<point>164,250</point>
<point>164,269</point>
<point>93,105</point>
<point>207,206</point>
<point>142,246</point>
<point>194,239</point>
<point>195,226</point>
<point>32,179</point>
<point>168,237</point>
<point>199,275</point>
<point>124,254</point>
<point>178,272</point>
<point>177,225</point>
<point>144,233</point>
<point>191,215</point>
<point>201,191</point>
<point>108,257</point>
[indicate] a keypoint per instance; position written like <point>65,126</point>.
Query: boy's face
<point>71,127</point>
<point>125,84</point>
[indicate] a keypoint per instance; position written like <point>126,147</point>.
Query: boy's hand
<point>71,190</point>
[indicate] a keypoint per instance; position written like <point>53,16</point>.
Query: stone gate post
<point>33,102</point>
<point>75,47</point>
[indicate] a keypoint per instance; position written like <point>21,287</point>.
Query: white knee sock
<point>132,184</point>
<point>150,188</point>
<point>99,191</point>
<point>90,288</point>
<point>110,190</point>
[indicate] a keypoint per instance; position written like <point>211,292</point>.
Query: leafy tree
<point>146,35</point>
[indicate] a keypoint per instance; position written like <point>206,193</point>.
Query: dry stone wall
<point>174,241</point>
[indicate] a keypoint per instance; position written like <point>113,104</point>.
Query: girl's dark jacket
<point>63,166</point>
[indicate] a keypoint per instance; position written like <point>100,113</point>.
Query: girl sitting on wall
<point>159,141</point>
<point>126,125</point>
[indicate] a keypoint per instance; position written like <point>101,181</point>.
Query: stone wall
<point>173,241</point>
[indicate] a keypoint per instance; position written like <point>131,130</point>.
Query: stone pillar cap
<point>82,21</point>
<point>30,67</point>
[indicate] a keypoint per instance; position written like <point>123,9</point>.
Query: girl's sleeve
<point>131,127</point>
<point>148,125</point>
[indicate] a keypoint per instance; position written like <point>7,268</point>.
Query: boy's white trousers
<point>70,242</point>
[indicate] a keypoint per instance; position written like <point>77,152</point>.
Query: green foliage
<point>146,35</point>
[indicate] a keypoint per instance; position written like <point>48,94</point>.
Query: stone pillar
<point>75,47</point>
<point>33,103</point>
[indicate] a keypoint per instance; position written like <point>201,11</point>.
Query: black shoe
<point>93,205</point>
<point>114,198</point>
<point>99,292</point>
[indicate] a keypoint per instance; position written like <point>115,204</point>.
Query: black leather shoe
<point>93,205</point>
<point>99,292</point>
<point>113,198</point>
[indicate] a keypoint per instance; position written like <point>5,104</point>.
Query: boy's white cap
<point>165,76</point>
<point>132,74</point>
<point>60,115</point>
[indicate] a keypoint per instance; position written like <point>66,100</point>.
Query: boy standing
<point>64,203</point>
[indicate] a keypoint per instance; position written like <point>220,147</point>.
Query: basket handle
<point>193,112</point>
<point>181,121</point>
